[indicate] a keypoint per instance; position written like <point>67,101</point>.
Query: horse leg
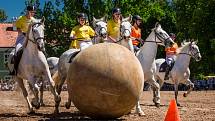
<point>25,94</point>
<point>41,94</point>
<point>69,89</point>
<point>191,86</point>
<point>176,93</point>
<point>35,89</point>
<point>57,98</point>
<point>139,110</point>
<point>156,91</point>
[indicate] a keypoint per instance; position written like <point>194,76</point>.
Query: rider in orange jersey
<point>136,31</point>
<point>170,55</point>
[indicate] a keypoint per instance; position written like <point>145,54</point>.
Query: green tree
<point>3,15</point>
<point>195,19</point>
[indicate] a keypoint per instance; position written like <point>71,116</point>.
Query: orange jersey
<point>171,50</point>
<point>135,33</point>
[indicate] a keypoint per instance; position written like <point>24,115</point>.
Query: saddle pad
<point>164,66</point>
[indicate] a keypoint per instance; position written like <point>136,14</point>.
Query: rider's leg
<point>19,43</point>
<point>84,45</point>
<point>168,61</point>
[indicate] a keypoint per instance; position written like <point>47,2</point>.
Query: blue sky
<point>14,7</point>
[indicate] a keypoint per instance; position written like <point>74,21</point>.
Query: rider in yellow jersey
<point>22,24</point>
<point>81,34</point>
<point>113,25</point>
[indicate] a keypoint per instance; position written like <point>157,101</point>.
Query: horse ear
<point>183,42</point>
<point>130,18</point>
<point>42,20</point>
<point>157,25</point>
<point>104,19</point>
<point>94,21</point>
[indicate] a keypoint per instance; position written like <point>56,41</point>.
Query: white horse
<point>100,26</point>
<point>146,56</point>
<point>180,72</point>
<point>33,65</point>
<point>66,58</point>
<point>125,32</point>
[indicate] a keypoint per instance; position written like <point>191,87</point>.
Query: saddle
<point>164,66</point>
<point>72,56</point>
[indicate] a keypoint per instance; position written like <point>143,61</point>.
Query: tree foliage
<point>3,15</point>
<point>195,19</point>
<point>186,18</point>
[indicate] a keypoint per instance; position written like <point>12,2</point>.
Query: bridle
<point>33,33</point>
<point>100,32</point>
<point>121,35</point>
<point>190,52</point>
<point>161,38</point>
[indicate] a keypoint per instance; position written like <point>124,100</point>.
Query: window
<point>6,55</point>
<point>7,78</point>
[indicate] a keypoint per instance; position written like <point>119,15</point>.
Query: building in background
<point>7,43</point>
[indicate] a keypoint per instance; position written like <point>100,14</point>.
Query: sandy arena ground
<point>198,106</point>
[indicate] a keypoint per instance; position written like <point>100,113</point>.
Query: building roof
<point>7,35</point>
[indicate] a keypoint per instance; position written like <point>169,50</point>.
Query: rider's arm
<point>91,32</point>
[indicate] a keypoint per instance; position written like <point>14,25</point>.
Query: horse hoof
<point>178,104</point>
<point>58,99</point>
<point>31,112</point>
<point>56,111</point>
<point>35,104</point>
<point>157,105</point>
<point>67,105</point>
<point>42,105</point>
<point>185,94</point>
<point>141,114</point>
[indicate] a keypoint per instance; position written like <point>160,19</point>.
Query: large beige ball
<point>106,80</point>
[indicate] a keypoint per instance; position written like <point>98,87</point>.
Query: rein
<point>190,50</point>
<point>35,39</point>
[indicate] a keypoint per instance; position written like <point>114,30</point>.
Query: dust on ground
<point>198,106</point>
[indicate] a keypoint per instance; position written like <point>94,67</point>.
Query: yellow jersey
<point>113,29</point>
<point>81,33</point>
<point>23,23</point>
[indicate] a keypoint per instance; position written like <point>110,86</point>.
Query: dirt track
<point>198,106</point>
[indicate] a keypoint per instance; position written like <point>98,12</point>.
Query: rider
<point>81,33</point>
<point>136,32</point>
<point>22,24</point>
<point>113,25</point>
<point>170,56</point>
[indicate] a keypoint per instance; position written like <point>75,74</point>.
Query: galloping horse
<point>180,72</point>
<point>33,65</point>
<point>146,56</point>
<point>66,58</point>
<point>125,32</point>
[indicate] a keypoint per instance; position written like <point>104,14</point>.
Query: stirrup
<point>166,77</point>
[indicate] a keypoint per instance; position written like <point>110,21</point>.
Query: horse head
<point>36,33</point>
<point>194,50</point>
<point>162,36</point>
<point>100,26</point>
<point>125,27</point>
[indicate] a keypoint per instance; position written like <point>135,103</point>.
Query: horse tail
<point>56,78</point>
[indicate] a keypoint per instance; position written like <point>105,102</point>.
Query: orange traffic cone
<point>172,113</point>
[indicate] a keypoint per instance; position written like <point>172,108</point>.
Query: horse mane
<point>183,45</point>
<point>27,37</point>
